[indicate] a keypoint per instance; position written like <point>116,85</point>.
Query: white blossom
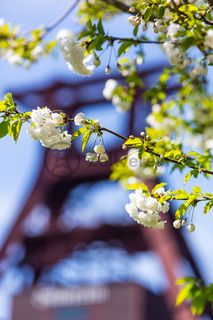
<point>173,53</point>
<point>40,115</point>
<point>110,86</point>
<point>121,104</point>
<point>167,123</point>
<point>74,55</point>
<point>60,141</point>
<point>45,127</point>
<point>91,157</point>
<point>103,157</point>
<point>160,191</point>
<point>173,29</point>
<point>57,119</point>
<point>156,108</point>
<point>96,123</point>
<point>135,20</point>
<point>63,34</point>
<point>37,51</point>
<point>79,119</point>
<point>15,59</point>
<point>99,149</point>
<point>208,40</point>
<point>146,210</point>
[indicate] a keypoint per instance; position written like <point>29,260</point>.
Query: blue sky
<point>18,162</point>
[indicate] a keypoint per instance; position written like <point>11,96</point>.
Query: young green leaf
<point>85,139</point>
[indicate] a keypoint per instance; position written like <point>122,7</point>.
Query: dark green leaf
<point>100,27</point>
<point>124,47</point>
<point>3,128</point>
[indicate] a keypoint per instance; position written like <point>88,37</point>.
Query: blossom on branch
<point>46,128</point>
<point>146,210</point>
<point>74,54</point>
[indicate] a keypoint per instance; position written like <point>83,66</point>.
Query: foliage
<point>196,293</point>
<point>178,122</point>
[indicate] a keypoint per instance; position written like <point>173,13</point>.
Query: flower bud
<point>191,227</point>
<point>183,222</point>
<point>108,70</point>
<point>99,149</point>
<point>177,224</point>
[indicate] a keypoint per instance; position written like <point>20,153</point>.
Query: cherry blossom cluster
<point>146,210</point>
<point>11,53</point>
<point>110,94</point>
<point>99,154</point>
<point>47,127</point>
<point>74,54</point>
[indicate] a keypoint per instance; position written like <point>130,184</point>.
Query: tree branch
<point>62,17</point>
<point>119,5</point>
<point>200,170</point>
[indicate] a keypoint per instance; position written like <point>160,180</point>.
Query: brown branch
<point>119,5</point>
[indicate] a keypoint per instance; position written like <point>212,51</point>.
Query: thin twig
<point>200,170</point>
<point>114,133</point>
<point>54,24</point>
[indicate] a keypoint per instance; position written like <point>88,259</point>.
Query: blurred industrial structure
<point>45,237</point>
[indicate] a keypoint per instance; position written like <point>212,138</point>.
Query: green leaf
<point>184,294</point>
<point>2,106</point>
<point>135,31</point>
<point>85,139</point>
<point>187,177</point>
<point>8,103</point>
<point>89,25</point>
<point>124,47</point>
<point>158,186</point>
<point>208,206</point>
<point>196,189</point>
<point>185,280</point>
<point>181,210</point>
<point>180,194</point>
<point>78,133</point>
<point>100,27</point>
<point>188,42</point>
<point>173,154</point>
<point>188,8</point>
<point>4,128</point>
<point>134,141</point>
<point>15,128</point>
<point>198,304</point>
<point>147,14</point>
<point>139,185</point>
<point>161,11</point>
